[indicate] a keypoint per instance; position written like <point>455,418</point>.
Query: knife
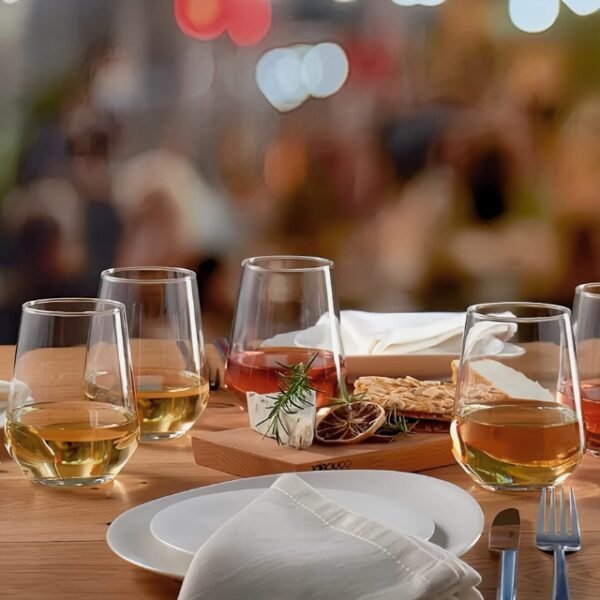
<point>504,538</point>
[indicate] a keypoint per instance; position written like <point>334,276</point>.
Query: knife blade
<point>504,538</point>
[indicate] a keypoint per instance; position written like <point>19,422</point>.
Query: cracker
<point>429,399</point>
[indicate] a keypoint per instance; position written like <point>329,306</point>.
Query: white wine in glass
<point>163,313</point>
<point>56,431</point>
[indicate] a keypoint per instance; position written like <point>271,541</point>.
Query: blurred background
<point>441,153</point>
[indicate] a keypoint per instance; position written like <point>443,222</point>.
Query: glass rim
<point>581,289</point>
<point>477,310</point>
<point>320,264</point>
<point>36,307</point>
<point>114,275</point>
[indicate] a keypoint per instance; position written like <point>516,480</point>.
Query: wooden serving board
<point>246,453</point>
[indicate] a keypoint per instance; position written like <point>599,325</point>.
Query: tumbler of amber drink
<point>286,314</point>
<point>163,313</point>
<point>71,418</point>
<point>586,317</point>
<point>517,417</point>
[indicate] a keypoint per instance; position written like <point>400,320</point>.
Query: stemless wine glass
<point>517,417</point>
<point>586,317</point>
<point>286,314</point>
<point>163,313</point>
<point>71,417</point>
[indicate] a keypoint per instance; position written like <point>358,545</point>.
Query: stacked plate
<point>163,535</point>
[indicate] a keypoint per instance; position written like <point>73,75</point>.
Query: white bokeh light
<point>279,78</point>
<point>533,16</point>
<point>583,7</point>
<point>325,69</point>
<point>289,76</point>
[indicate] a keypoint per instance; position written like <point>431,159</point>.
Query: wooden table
<point>52,542</point>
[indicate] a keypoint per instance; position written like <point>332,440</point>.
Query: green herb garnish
<point>295,387</point>
<point>396,424</point>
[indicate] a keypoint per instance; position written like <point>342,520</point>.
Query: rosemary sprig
<point>396,424</point>
<point>295,387</point>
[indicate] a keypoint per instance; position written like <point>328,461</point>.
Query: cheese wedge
<point>505,379</point>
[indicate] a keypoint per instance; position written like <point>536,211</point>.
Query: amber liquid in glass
<point>518,444</point>
<point>590,405</point>
<point>72,442</point>
<point>258,371</point>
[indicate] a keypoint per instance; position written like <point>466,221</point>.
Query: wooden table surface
<point>52,542</point>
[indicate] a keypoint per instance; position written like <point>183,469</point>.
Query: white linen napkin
<point>365,333</point>
<point>401,333</point>
<point>292,543</point>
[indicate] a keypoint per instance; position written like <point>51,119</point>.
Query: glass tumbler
<point>71,418</point>
<point>517,416</point>
<point>286,314</point>
<point>586,317</point>
<point>165,331</point>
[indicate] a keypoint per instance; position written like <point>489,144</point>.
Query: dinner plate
<point>186,525</point>
<point>457,516</point>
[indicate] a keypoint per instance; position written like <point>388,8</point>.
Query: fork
<point>560,541</point>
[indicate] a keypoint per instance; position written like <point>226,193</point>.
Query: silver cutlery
<point>557,538</point>
<point>504,538</point>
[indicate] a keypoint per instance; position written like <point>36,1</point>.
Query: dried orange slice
<point>350,423</point>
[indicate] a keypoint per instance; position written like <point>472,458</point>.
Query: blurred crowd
<point>460,163</point>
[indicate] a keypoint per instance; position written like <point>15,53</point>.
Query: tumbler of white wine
<point>163,313</point>
<point>71,418</point>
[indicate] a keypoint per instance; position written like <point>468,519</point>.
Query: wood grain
<point>246,453</point>
<point>52,542</point>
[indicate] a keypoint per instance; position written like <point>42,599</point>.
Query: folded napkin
<point>401,333</point>
<point>292,543</point>
<point>365,333</point>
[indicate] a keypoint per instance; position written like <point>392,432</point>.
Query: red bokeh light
<point>246,21</point>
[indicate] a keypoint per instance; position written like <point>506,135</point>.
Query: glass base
<point>593,452</point>
<point>157,436</point>
<point>523,486</point>
<point>73,482</point>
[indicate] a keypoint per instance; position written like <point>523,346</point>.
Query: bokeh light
<point>533,16</point>
<point>288,76</point>
<point>583,7</point>
<point>325,69</point>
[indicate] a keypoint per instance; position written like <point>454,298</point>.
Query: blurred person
<point>401,236</point>
<point>40,271</point>
<point>173,218</point>
<point>576,209</point>
<point>202,216</point>
<point>90,137</point>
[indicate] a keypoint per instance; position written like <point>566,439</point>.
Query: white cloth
<point>401,333</point>
<point>291,543</point>
<point>365,333</point>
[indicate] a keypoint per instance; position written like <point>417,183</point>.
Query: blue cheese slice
<point>299,428</point>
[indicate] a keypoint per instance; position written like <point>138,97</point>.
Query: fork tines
<point>551,526</point>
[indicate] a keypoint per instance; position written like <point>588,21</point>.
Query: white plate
<point>188,524</point>
<point>457,516</point>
